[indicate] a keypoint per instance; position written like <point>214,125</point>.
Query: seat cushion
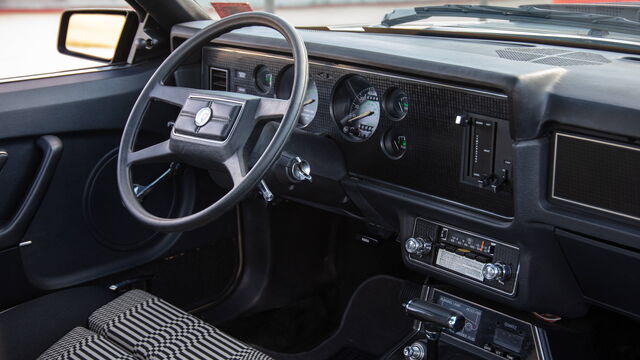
<point>147,327</point>
<point>81,343</point>
<point>28,329</point>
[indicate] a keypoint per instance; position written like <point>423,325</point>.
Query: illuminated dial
<point>356,108</point>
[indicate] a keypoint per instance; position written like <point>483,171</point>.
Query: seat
<point>89,324</point>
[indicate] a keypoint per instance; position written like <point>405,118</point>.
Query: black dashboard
<point>524,157</point>
<point>380,146</point>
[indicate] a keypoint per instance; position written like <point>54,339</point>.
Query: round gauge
<point>264,79</point>
<point>396,103</point>
<point>394,144</point>
<point>356,108</point>
<point>311,100</point>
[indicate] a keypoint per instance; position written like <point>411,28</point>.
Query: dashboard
<point>384,124</point>
<point>513,177</point>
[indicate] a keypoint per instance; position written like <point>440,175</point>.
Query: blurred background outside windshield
<point>29,29</point>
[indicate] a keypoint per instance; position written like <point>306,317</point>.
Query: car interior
<point>243,189</point>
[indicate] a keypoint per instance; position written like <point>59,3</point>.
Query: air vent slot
<point>554,57</point>
<point>218,79</point>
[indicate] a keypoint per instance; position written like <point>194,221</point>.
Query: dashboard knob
<point>415,351</point>
<point>496,271</point>
<point>417,246</point>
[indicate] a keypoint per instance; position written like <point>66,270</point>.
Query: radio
<point>469,256</point>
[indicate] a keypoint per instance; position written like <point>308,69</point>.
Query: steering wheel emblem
<point>203,116</point>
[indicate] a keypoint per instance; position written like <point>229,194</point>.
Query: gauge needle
<point>308,102</point>
<point>358,117</point>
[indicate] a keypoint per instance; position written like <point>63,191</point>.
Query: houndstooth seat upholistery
<point>140,326</point>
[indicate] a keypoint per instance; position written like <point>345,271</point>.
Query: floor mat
<point>373,323</point>
<point>352,354</point>
<point>295,328</point>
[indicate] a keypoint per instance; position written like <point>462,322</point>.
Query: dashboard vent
<point>554,57</point>
<point>218,79</point>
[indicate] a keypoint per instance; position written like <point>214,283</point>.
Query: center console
<point>490,331</point>
<point>486,334</point>
<point>441,248</point>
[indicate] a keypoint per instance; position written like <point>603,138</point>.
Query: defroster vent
<point>554,57</point>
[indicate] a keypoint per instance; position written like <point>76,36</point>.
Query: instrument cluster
<point>381,120</point>
<point>355,106</point>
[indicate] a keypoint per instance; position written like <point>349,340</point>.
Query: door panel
<point>12,231</point>
<point>99,100</point>
<point>80,231</point>
<point>18,170</point>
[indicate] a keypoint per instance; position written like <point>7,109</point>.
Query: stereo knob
<point>417,246</point>
<point>415,351</point>
<point>496,271</point>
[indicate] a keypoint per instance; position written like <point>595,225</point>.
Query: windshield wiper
<point>600,25</point>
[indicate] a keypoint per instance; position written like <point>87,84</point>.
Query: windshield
<point>590,21</point>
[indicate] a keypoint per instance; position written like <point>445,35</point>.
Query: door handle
<point>11,234</point>
<point>3,158</point>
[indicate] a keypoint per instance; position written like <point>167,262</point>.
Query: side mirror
<point>95,34</point>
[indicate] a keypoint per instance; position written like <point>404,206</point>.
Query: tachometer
<point>311,100</point>
<point>356,108</point>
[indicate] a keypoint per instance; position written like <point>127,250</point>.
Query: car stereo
<point>465,255</point>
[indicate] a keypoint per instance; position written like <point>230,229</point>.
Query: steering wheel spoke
<point>213,127</point>
<point>237,167</point>
<point>153,154</point>
<point>175,95</point>
<point>178,95</point>
<point>270,108</point>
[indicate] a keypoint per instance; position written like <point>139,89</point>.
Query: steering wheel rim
<point>205,152</point>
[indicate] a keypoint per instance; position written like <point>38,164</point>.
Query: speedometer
<point>356,108</point>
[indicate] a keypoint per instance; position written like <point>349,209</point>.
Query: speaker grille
<point>597,174</point>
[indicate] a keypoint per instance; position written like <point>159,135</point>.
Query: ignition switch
<point>299,170</point>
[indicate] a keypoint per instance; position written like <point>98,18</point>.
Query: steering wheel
<point>214,127</point>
